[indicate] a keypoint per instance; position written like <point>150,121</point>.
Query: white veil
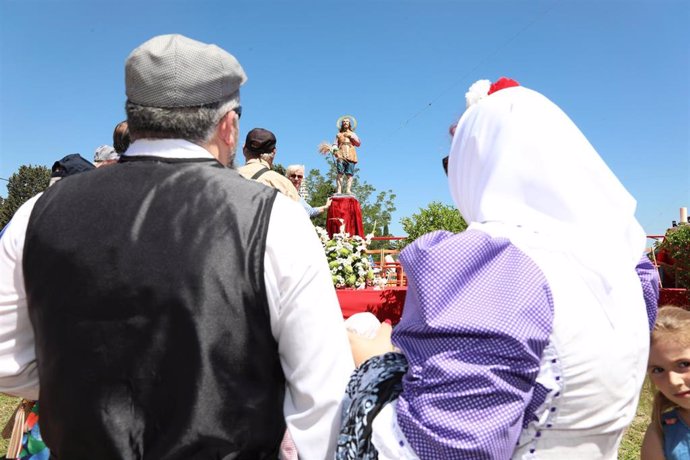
<point>519,162</point>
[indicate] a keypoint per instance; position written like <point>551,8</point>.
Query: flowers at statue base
<point>347,258</point>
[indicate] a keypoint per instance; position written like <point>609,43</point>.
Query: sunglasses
<point>296,176</point>
<point>444,162</point>
<point>238,111</point>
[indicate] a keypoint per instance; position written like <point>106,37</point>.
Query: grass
<point>7,406</point>
<point>630,445</point>
<point>629,449</point>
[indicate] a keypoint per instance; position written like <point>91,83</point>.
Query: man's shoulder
<point>274,178</point>
<point>277,176</point>
<point>249,169</point>
<point>280,182</point>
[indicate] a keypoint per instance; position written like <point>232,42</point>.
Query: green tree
<point>23,184</point>
<point>436,216</point>
<point>280,169</point>
<point>377,207</point>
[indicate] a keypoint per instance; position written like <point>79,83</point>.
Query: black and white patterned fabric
<point>374,384</point>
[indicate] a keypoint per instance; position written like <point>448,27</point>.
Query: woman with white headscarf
<point>526,335</point>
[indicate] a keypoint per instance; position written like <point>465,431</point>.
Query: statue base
<point>344,215</point>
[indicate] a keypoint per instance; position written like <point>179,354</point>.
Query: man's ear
<point>228,128</point>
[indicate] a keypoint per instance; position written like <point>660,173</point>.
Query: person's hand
<point>328,203</point>
<point>363,348</point>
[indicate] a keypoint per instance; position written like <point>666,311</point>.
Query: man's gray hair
<point>194,124</point>
<point>268,157</point>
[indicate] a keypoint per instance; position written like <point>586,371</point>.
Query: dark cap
<point>71,164</point>
<point>260,140</point>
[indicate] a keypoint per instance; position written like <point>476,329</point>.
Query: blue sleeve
<point>311,212</point>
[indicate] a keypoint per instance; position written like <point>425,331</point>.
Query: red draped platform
<point>673,296</point>
<point>345,210</point>
<point>386,304</point>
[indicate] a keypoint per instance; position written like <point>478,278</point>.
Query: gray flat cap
<point>176,71</point>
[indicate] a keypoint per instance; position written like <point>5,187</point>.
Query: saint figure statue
<point>346,155</point>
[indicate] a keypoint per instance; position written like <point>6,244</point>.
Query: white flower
<point>350,270</point>
<point>478,91</point>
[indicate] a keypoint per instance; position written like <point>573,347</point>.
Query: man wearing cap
<point>190,313</point>
<point>259,151</point>
<point>105,155</point>
<point>69,165</point>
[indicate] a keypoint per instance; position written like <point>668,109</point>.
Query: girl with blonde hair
<point>668,435</point>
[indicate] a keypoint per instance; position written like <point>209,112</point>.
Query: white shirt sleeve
<point>18,372</point>
<point>307,323</point>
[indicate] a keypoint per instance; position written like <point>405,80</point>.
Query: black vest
<point>145,284</point>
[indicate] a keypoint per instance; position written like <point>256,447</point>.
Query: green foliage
<point>23,184</point>
<point>677,243</point>
<point>377,207</point>
<point>280,169</point>
<point>319,188</point>
<point>436,216</point>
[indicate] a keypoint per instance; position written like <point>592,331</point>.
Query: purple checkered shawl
<point>649,276</point>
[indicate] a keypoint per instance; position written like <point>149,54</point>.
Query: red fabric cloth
<point>345,208</point>
<point>386,304</point>
<point>502,83</point>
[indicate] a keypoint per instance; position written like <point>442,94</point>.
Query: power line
<point>473,69</point>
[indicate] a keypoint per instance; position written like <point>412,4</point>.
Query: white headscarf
<point>519,162</point>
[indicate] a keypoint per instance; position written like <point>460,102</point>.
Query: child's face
<point>669,370</point>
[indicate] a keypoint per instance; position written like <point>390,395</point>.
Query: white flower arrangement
<point>478,91</point>
<point>347,258</point>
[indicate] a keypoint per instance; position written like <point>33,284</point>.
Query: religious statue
<point>344,152</point>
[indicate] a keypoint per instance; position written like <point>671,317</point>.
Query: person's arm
<point>311,211</point>
<point>308,325</point>
<point>652,444</point>
<point>478,316</point>
<point>18,371</point>
<point>337,153</point>
<point>649,278</point>
<point>355,140</point>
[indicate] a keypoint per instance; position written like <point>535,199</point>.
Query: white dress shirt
<point>306,319</point>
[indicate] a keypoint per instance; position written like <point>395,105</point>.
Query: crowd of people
<point>166,307</point>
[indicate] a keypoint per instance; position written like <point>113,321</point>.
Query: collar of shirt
<point>258,161</point>
<point>167,148</point>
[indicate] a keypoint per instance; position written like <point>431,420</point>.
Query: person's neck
<point>684,414</point>
<point>215,150</point>
<point>260,160</point>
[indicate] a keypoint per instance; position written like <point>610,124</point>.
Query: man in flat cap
<point>259,151</point>
<point>190,313</point>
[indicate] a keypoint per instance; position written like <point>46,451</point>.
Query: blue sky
<point>619,69</point>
